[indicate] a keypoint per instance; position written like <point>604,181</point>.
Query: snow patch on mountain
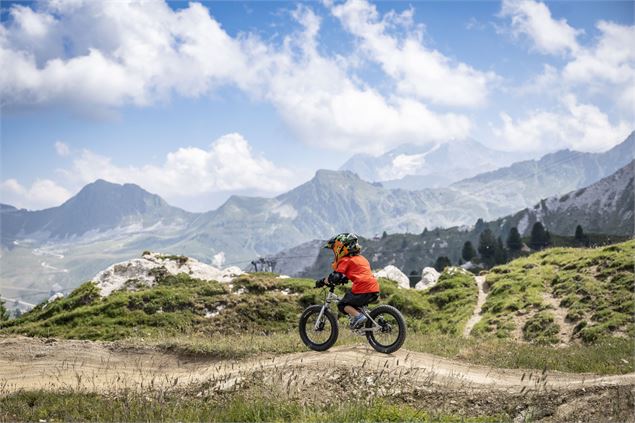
<point>285,211</point>
<point>402,165</point>
<point>523,224</point>
<point>393,273</point>
<point>143,271</point>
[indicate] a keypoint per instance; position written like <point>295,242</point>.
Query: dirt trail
<point>476,316</point>
<point>27,363</point>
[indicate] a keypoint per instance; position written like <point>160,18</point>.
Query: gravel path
<point>476,316</point>
<point>28,363</point>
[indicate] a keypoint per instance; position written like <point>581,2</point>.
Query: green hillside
<point>257,303</point>
<point>583,294</point>
<point>563,309</point>
<point>412,252</point>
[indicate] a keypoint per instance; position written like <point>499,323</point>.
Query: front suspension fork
<point>319,318</point>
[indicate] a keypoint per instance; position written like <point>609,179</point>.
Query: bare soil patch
<point>560,318</point>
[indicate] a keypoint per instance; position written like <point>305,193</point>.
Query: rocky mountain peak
<point>104,193</point>
<point>324,175</point>
<point>7,208</point>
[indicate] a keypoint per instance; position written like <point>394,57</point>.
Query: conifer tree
<point>539,237</point>
<point>580,237</point>
<point>514,241</point>
<point>487,247</point>
<point>441,263</point>
<point>579,233</point>
<point>468,251</point>
<point>500,254</point>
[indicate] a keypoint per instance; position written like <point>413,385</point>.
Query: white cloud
<point>187,176</point>
<point>327,108</point>
<point>549,82</point>
<point>533,19</point>
<point>62,149</point>
<point>609,65</point>
<point>42,193</point>
<point>122,53</point>
<point>228,165</point>
<point>603,70</point>
<point>417,70</point>
<point>581,127</point>
<point>141,52</point>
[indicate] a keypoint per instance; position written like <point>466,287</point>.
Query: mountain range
<point>524,183</point>
<point>106,222</point>
<point>432,165</point>
<point>605,207</point>
<point>99,206</point>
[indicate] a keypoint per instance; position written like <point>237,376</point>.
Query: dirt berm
<point>48,364</point>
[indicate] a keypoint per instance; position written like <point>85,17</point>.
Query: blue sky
<point>199,101</point>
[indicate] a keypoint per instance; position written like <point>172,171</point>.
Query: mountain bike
<point>385,327</point>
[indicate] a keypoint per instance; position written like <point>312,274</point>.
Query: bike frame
<point>332,297</point>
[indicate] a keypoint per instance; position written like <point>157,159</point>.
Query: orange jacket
<point>357,270</point>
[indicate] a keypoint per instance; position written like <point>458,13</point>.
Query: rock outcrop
<point>393,273</point>
<point>132,273</point>
<point>429,278</point>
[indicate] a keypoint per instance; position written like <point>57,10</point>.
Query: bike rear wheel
<point>392,329</point>
<point>319,336</point>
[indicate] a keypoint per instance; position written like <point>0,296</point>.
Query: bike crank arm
<point>375,324</point>
<point>361,331</point>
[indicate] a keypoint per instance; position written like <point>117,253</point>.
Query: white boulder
<point>131,273</point>
<point>393,273</point>
<point>429,278</point>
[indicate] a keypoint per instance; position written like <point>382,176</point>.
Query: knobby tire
<point>400,325</point>
<point>314,311</point>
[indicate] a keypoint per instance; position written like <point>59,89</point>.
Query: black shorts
<point>356,300</point>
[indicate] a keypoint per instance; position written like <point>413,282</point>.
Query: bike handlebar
<point>321,283</point>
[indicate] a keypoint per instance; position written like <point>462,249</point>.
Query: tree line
<point>492,251</point>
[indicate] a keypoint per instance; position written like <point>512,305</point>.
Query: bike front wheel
<point>318,335</point>
<point>391,333</point>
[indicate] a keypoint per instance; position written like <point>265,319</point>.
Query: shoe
<point>358,321</point>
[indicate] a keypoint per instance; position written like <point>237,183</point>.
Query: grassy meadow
<point>256,316</point>
<point>258,313</point>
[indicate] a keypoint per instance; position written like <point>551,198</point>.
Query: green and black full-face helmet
<point>344,244</point>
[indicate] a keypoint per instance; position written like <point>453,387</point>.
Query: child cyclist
<point>349,264</point>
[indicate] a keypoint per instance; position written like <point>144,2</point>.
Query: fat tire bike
<point>385,327</point>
